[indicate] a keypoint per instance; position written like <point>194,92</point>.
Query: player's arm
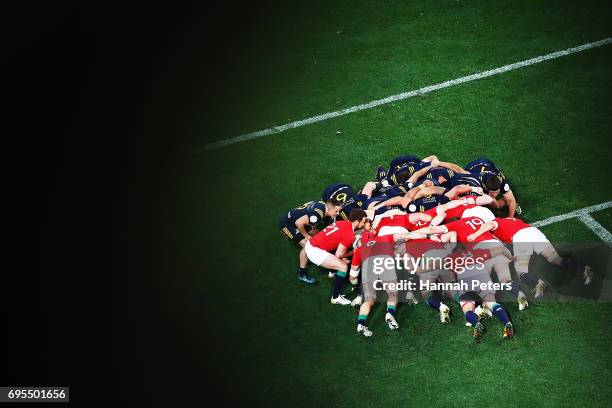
<point>409,235</point>
<point>433,159</point>
<point>484,200</point>
<point>433,229</point>
<point>413,192</point>
<point>501,250</point>
<point>343,252</point>
<point>450,236</point>
<point>439,217</point>
<point>427,191</point>
<point>390,202</point>
<point>301,223</point>
<point>487,226</point>
<point>510,202</point>
<point>454,167</point>
<point>369,188</point>
<point>454,192</point>
<point>418,174</point>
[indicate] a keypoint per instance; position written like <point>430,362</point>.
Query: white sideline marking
<point>583,215</point>
<point>596,227</point>
<point>404,95</point>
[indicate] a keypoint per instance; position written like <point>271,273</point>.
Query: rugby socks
<point>433,302</point>
<point>391,309</point>
<point>500,313</point>
<point>302,271</point>
<point>339,280</point>
<point>362,319</point>
<point>529,278</point>
<point>471,318</point>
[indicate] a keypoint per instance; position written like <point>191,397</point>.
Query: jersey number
<point>330,229</point>
<point>475,223</point>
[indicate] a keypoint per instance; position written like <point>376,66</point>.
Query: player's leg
<point>521,265</point>
<point>433,299</point>
<point>548,251</point>
<point>501,266</point>
<point>391,310</point>
<point>500,313</point>
<point>332,262</point>
<point>467,301</point>
<point>369,294</point>
<point>291,233</point>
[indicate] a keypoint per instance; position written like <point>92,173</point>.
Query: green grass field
<point>546,125</point>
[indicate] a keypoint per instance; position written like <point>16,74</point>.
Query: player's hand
<point>435,238</point>
<point>345,260</point>
<point>471,238</point>
<point>435,162</point>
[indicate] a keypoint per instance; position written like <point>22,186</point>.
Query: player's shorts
<point>488,244</point>
<point>390,230</point>
<point>473,276</point>
<point>315,255</point>
<point>469,296</point>
<point>529,241</point>
<point>289,230</point>
<point>479,212</point>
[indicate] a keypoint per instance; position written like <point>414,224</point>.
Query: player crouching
<point>373,260</point>
<point>475,277</point>
<point>526,241</point>
<point>337,237</point>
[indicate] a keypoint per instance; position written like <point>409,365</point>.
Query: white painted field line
<point>596,227</point>
<point>583,215</point>
<point>404,95</point>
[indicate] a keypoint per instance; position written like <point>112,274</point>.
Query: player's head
<point>402,176</point>
<point>492,183</point>
<point>358,217</point>
<point>332,207</point>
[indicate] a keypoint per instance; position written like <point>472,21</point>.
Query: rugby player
<point>430,252</point>
<point>371,249</point>
<point>346,196</point>
<point>298,224</point>
<point>495,184</point>
<point>475,276</point>
<point>337,237</point>
<point>403,166</point>
<point>467,226</point>
<point>526,241</point>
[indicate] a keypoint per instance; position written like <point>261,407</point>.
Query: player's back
<point>338,191</point>
<point>480,165</point>
<point>339,232</point>
<point>467,226</point>
<point>314,209</point>
<point>465,179</point>
<point>457,212</point>
<point>507,227</point>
